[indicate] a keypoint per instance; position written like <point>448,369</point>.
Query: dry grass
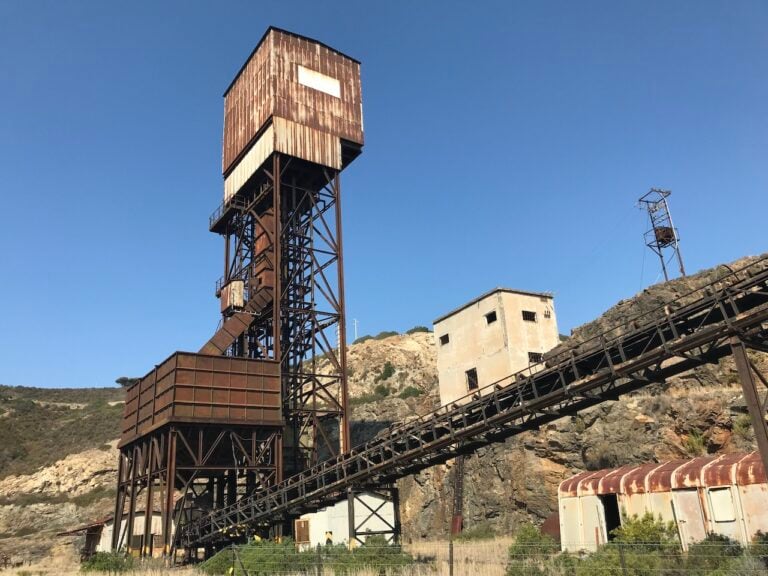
<point>470,558</point>
<point>51,569</point>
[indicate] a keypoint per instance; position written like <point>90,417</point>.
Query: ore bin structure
<point>203,430</point>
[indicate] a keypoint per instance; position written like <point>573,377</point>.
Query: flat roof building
<point>491,337</point>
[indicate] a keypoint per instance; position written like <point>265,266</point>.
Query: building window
<point>547,313</point>
<point>490,318</point>
<point>535,357</point>
<point>471,379</point>
<point>444,339</point>
<point>529,316</point>
<point>721,500</point>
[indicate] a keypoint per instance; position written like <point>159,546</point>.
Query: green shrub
<point>100,493</point>
<point>531,553</point>
<point>742,426</point>
<point>695,444</point>
<point>712,553</point>
<point>416,329</point>
<point>647,530</point>
<point>267,558</point>
<point>110,562</point>
<point>386,372</point>
<point>381,391</point>
<point>385,334</point>
<point>25,531</point>
<point>481,531</point>
<point>410,392</point>
<point>364,399</point>
<point>363,339</point>
<point>759,547</point>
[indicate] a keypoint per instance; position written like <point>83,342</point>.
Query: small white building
<point>491,337</point>
<point>725,495</point>
<point>373,515</point>
<point>98,535</point>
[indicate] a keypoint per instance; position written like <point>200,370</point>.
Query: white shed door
<point>724,518</point>
<point>690,519</point>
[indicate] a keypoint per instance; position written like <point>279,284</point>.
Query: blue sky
<point>506,144</point>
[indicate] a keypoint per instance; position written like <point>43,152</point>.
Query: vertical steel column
<point>755,406</point>
<point>134,495</point>
<point>117,519</point>
<point>396,510</point>
<point>277,291</point>
<point>344,433</point>
<point>149,507</point>
<point>170,493</point>
<point>457,520</point>
<point>351,526</point>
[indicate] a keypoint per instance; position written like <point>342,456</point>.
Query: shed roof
<point>87,527</point>
<point>491,293</point>
<point>724,470</point>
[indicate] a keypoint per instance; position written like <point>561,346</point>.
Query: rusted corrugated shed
<point>706,471</point>
<point>313,88</point>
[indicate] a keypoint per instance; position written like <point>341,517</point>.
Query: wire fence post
<point>232,570</point>
<point>450,556</point>
<point>319,562</point>
<point>622,560</point>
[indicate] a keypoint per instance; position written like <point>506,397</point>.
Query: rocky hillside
<point>392,378</point>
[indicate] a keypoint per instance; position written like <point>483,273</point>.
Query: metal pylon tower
<point>662,237</point>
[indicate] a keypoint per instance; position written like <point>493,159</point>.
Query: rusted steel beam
<point>755,405</point>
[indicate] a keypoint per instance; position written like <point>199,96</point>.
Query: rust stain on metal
<point>302,82</point>
<point>189,387</point>
<point>707,471</point>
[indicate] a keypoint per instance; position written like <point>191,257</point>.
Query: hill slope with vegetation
<point>38,426</point>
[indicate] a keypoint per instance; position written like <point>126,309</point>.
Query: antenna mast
<point>663,234</point>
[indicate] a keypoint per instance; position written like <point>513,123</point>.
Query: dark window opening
<point>610,504</point>
<point>529,316</point>
<point>444,339</point>
<point>490,318</point>
<point>547,313</point>
<point>471,379</point>
<point>535,357</point>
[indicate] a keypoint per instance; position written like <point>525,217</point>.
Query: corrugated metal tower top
<point>295,78</point>
<point>706,471</point>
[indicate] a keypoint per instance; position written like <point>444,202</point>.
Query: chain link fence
<point>497,557</point>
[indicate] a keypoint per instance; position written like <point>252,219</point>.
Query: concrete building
<point>713,494</point>
<point>490,338</point>
<point>98,535</point>
<point>373,515</point>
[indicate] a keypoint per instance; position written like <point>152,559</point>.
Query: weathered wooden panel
<point>251,162</point>
<point>297,79</point>
<point>194,387</point>
<point>232,295</point>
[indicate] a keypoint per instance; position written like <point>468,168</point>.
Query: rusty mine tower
<point>251,408</point>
